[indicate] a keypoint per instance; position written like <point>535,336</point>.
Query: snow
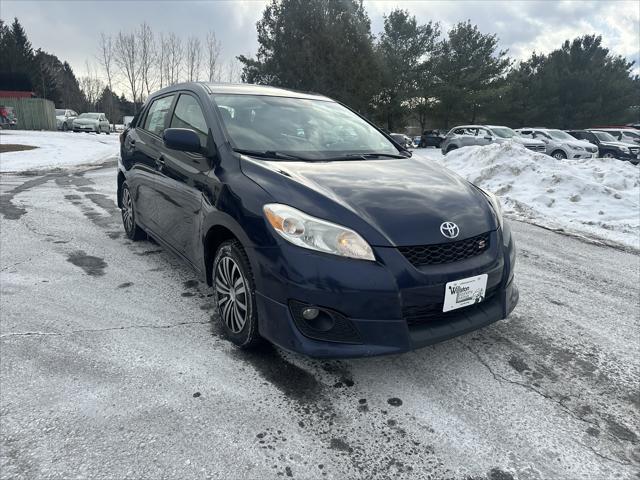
<point>56,150</point>
<point>597,198</point>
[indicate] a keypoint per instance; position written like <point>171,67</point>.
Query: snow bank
<point>56,149</point>
<point>596,198</point>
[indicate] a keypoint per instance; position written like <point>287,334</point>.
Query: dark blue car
<point>314,229</point>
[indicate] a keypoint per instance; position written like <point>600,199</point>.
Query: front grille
<point>446,252</point>
<point>425,314</point>
<point>537,148</point>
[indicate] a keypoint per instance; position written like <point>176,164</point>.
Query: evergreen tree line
<point>415,74</point>
<point>411,74</point>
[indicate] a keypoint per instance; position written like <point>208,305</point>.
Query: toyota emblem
<point>449,229</point>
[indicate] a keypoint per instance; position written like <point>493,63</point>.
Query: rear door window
<point>188,114</point>
<point>158,111</point>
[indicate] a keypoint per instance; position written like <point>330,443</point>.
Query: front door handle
<point>160,162</point>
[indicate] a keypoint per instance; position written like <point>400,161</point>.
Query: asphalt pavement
<point>112,366</point>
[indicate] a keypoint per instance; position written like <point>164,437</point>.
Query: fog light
<point>310,313</point>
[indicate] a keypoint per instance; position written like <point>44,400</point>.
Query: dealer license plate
<point>464,292</point>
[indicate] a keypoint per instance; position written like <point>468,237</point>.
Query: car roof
<point>244,89</point>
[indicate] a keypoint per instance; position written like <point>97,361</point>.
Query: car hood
<point>615,144</point>
<point>394,202</point>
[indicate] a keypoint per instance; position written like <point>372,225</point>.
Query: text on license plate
<point>464,292</point>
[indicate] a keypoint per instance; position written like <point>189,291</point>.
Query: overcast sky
<point>70,29</point>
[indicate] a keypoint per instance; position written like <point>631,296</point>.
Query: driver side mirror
<point>183,139</point>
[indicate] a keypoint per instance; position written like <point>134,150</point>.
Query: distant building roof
<point>16,94</point>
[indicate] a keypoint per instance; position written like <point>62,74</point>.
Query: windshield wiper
<point>270,154</point>
<point>364,156</point>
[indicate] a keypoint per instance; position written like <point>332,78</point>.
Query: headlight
<point>578,148</point>
<point>316,234</point>
<point>495,204</point>
<point>624,149</point>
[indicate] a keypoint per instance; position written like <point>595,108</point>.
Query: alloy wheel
<point>127,209</point>
<point>231,293</point>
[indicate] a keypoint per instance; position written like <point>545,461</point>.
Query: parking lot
<point>112,366</point>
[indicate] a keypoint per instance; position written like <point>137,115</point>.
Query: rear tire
<point>234,295</point>
<point>559,155</point>
<point>451,148</point>
<point>131,228</point>
<point>65,127</point>
<point>608,155</point>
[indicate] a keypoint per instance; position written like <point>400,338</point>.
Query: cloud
<point>70,29</point>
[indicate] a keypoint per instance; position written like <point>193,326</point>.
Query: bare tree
<point>193,58</point>
<point>146,49</point>
<point>213,54</point>
<point>162,59</point>
<point>105,57</point>
<point>127,59</point>
<point>233,71</point>
<point>174,58</point>
<point>91,86</point>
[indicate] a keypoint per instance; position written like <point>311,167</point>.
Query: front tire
<point>559,155</point>
<point>608,155</point>
<point>65,127</point>
<point>131,228</point>
<point>234,295</point>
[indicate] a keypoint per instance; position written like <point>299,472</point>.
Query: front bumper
<point>393,306</point>
<point>577,154</point>
<point>84,128</point>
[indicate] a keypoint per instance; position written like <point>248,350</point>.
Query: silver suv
<point>626,135</point>
<point>469,135</point>
<point>560,145</point>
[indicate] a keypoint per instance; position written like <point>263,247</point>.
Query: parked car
<point>332,249</point>
<point>8,118</point>
<point>560,145</point>
<point>608,146</point>
<point>92,122</point>
<point>65,118</point>
<point>416,141</point>
<point>469,135</point>
<point>402,140</point>
<point>431,138</point>
<point>626,135</point>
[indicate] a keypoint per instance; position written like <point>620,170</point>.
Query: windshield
<point>89,115</point>
<point>310,129</point>
<point>604,137</point>
<point>59,112</point>
<point>560,135</point>
<point>503,132</point>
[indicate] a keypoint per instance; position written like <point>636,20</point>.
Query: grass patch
<point>14,147</point>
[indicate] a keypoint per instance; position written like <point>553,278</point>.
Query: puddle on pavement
<point>93,266</point>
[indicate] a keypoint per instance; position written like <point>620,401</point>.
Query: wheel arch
<point>216,235</point>
<point>121,180</point>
